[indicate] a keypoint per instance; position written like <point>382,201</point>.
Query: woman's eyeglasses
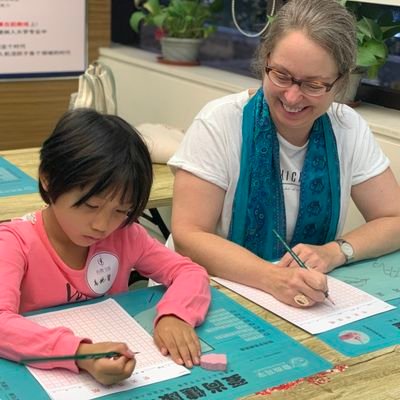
<point>310,88</point>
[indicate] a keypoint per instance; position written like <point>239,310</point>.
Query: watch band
<point>346,248</point>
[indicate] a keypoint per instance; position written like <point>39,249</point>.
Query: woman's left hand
<point>176,337</point>
<point>320,258</point>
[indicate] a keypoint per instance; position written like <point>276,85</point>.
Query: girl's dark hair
<point>100,152</point>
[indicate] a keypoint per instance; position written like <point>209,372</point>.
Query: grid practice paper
<point>104,321</point>
<point>351,304</point>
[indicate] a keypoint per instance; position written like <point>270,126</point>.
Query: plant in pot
<point>181,25</point>
<point>374,27</point>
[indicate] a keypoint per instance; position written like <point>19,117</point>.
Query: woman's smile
<point>293,109</point>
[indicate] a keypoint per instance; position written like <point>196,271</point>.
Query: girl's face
<point>292,111</point>
<point>88,223</point>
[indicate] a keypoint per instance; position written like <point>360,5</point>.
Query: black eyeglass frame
<point>328,86</point>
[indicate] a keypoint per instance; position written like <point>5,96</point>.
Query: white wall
<point>148,91</point>
<point>383,2</point>
<point>391,146</point>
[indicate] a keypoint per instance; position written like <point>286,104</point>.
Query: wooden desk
<point>28,161</point>
<point>373,376</point>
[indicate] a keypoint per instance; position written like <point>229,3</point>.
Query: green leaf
<point>364,27</point>
<point>180,18</point>
<point>152,6</point>
<point>376,29</point>
<point>365,58</point>
<point>377,48</point>
<point>372,53</point>
<point>135,20</point>
<point>374,26</point>
<point>369,28</point>
<point>361,38</point>
<point>159,19</point>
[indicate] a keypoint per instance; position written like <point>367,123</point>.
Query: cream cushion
<point>162,140</point>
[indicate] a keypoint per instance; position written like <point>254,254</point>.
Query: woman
<point>286,158</point>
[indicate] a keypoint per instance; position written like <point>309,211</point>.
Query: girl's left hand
<point>176,337</point>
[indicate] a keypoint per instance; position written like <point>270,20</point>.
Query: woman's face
<point>292,111</point>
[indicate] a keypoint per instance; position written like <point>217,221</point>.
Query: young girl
<point>95,175</point>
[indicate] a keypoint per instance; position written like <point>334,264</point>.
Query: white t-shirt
<point>212,145</point>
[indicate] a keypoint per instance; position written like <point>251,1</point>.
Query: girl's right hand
<point>107,371</point>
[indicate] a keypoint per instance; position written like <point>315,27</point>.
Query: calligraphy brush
<point>86,356</point>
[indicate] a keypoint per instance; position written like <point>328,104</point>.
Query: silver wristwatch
<point>346,248</point>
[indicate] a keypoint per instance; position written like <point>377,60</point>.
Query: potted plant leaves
<point>181,26</point>
<point>374,27</point>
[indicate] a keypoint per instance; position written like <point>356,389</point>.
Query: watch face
<point>347,249</point>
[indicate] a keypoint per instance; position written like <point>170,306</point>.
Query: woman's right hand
<point>107,371</point>
<point>294,282</point>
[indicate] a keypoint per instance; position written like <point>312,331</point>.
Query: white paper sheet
<point>351,304</point>
<point>104,321</point>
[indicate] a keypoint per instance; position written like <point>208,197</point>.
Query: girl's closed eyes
<point>122,210</point>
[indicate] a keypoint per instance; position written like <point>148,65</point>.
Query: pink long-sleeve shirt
<point>33,276</point>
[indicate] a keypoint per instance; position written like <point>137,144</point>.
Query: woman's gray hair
<point>326,22</point>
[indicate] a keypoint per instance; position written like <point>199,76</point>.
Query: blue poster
<point>366,335</point>
<point>13,181</point>
<point>377,276</point>
<point>259,356</point>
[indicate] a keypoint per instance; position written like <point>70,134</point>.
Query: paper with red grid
<point>104,321</point>
<point>351,304</point>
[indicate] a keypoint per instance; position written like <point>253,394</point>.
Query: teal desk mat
<point>369,334</point>
<point>259,356</point>
<point>13,181</point>
<point>377,276</point>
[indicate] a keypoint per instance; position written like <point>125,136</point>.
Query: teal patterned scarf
<point>259,205</point>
